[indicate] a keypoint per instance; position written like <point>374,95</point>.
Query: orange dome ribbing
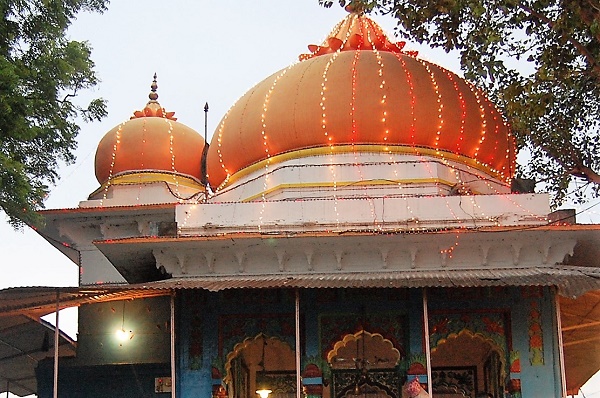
<point>360,88</point>
<point>151,141</point>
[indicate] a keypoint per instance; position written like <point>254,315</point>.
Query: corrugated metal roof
<point>24,343</point>
<point>571,281</point>
<point>39,301</point>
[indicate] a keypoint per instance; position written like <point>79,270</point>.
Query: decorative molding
<point>338,257</point>
<point>545,251</point>
<point>76,235</point>
<point>105,229</point>
<point>238,328</point>
<point>165,260</point>
<point>516,252</point>
<point>309,252</point>
<point>485,251</point>
<point>210,261</point>
<point>384,251</point>
<point>181,261</point>
<point>240,255</point>
<point>144,227</point>
<point>413,256</point>
<point>281,258</point>
<point>372,253</point>
<point>443,257</point>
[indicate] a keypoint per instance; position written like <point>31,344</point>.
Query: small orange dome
<point>359,88</point>
<point>152,141</point>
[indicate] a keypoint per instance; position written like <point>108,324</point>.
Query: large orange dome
<point>151,142</point>
<point>359,91</point>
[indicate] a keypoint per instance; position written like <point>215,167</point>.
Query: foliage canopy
<point>540,62</point>
<point>41,73</point>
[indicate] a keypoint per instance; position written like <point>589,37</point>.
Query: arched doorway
<point>362,364</point>
<point>261,361</point>
<point>467,364</point>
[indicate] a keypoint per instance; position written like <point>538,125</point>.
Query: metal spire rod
<point>206,122</point>
<point>203,171</point>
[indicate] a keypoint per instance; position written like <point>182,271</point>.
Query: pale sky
<point>202,51</point>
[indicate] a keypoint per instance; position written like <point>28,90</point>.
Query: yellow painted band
<point>398,149</point>
<point>150,177</point>
<point>344,184</point>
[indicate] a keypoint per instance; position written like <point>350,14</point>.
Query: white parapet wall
<point>357,174</point>
<point>363,214</point>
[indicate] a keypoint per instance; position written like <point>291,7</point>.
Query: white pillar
<point>561,352</point>
<point>427,348</point>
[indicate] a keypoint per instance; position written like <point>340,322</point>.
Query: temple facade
<point>353,226</point>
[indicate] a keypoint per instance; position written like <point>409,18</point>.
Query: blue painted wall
<point>209,325</point>
<point>211,312</point>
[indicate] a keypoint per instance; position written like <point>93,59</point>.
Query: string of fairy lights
<point>324,126</point>
<point>463,111</point>
<point>371,38</point>
<point>142,159</point>
<point>113,159</point>
<point>263,117</point>
<point>351,19</point>
<point>411,93</point>
<point>329,138</point>
<point>172,153</point>
<point>354,133</point>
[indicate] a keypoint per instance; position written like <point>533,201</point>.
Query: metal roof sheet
<point>40,301</point>
<point>571,281</point>
<point>23,343</point>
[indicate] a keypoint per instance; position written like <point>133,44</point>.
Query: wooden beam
<point>575,342</point>
<point>581,326</point>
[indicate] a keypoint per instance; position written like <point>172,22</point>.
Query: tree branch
<point>586,173</point>
<point>579,170</point>
<point>579,46</point>
<point>66,97</point>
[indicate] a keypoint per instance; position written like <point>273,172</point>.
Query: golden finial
<point>153,108</point>
<point>153,95</point>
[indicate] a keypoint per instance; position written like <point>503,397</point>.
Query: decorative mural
<point>491,325</point>
<point>416,364</point>
<point>278,382</point>
<point>351,382</point>
<point>392,326</point>
<point>536,338</point>
<point>235,328</point>
<point>455,380</point>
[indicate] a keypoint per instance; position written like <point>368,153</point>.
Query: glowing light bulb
<point>263,392</point>
<point>123,335</point>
